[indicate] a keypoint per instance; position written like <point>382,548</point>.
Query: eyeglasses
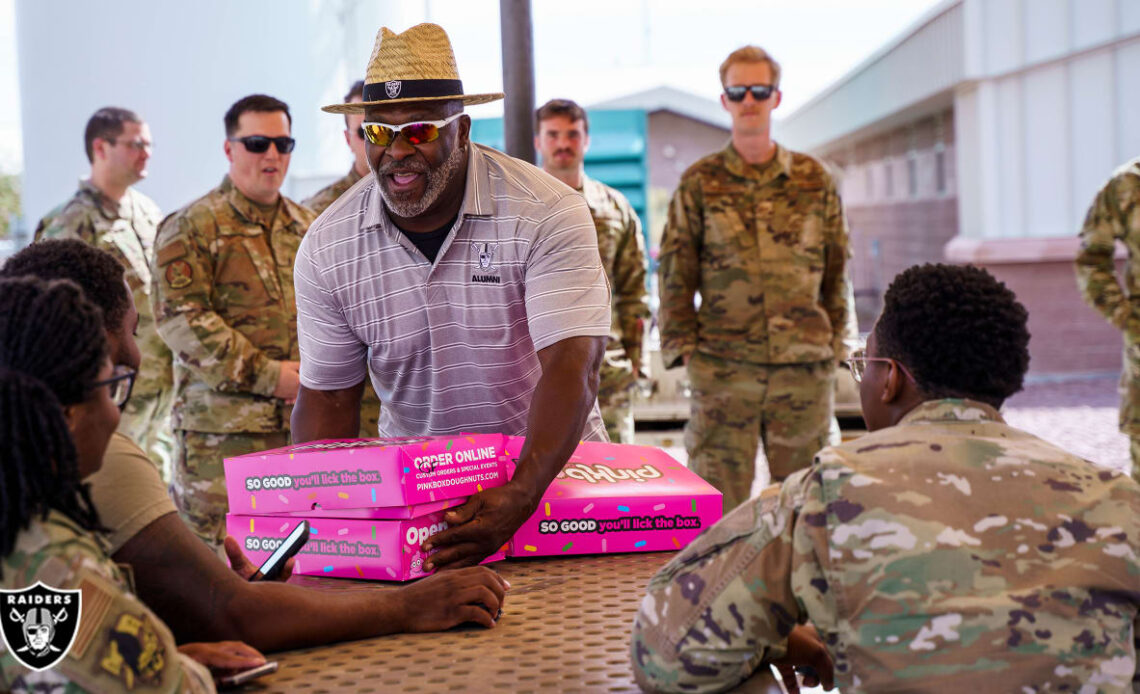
<point>760,92</point>
<point>139,145</point>
<point>360,131</point>
<point>120,385</point>
<point>259,144</point>
<point>857,362</point>
<point>422,132</point>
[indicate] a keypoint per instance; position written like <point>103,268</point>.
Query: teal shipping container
<point>618,154</point>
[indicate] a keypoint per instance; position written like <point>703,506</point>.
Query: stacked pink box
<point>369,502</point>
<point>616,498</point>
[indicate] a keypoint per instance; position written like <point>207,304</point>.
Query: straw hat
<point>417,65</point>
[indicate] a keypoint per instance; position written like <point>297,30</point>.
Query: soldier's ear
<point>228,148</point>
<point>893,383</point>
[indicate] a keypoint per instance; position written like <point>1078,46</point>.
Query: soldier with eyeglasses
<point>107,212</point>
<point>759,232</point>
<point>224,302</point>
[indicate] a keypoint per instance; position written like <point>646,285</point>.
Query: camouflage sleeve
<point>59,224</point>
<point>182,296</point>
<point>679,273</point>
<point>630,297</point>
<point>1096,273</point>
<point>724,605</point>
<point>837,292</point>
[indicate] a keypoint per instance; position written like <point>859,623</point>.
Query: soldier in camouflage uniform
<point>108,213</point>
<point>944,551</point>
<point>1115,216</point>
<point>563,138</point>
<point>759,231</point>
<point>225,304</point>
<point>59,403</point>
<point>319,201</point>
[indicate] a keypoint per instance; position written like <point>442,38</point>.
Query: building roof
<point>912,74</point>
<point>665,98</point>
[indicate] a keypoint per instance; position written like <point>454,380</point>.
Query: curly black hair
<point>52,346</point>
<point>961,332</point>
<point>96,271</point>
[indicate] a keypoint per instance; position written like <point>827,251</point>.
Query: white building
<point>980,135</point>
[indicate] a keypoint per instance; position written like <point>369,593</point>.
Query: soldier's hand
<point>806,651</point>
<point>243,567</point>
<point>480,527</point>
<point>451,598</point>
<point>288,381</point>
<point>224,655</point>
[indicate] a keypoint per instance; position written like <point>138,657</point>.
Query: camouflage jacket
<point>119,646</point>
<point>623,256</point>
<point>126,230</point>
<point>225,304</point>
<point>1114,216</point>
<point>767,248</point>
<point>951,553</point>
<point>326,196</point>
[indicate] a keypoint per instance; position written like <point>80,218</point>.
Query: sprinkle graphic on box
<point>384,550</point>
<point>364,473</point>
<point>616,498</point>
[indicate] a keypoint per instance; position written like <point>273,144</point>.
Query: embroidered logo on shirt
<point>485,263</point>
<point>39,624</point>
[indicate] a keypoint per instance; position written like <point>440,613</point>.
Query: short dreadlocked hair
<point>96,272</point>
<point>52,346</point>
<point>961,332</point>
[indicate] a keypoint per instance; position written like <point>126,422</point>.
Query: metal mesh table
<point>565,628</point>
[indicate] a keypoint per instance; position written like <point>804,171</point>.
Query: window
<point>940,169</point>
<point>912,175</point>
<point>890,182</point>
<point>869,180</point>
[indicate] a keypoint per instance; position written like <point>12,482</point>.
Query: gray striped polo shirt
<point>451,346</point>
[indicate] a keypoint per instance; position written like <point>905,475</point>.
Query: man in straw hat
<point>466,283</point>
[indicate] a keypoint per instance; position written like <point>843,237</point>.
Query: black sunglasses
<point>760,92</point>
<point>259,144</point>
<point>360,131</point>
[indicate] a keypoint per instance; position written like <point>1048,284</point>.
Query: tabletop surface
<point>565,628</point>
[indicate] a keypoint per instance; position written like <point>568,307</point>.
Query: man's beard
<point>436,180</point>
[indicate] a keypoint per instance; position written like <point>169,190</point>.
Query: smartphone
<point>276,561</point>
<point>236,679</point>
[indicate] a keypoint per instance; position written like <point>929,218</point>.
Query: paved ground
<point>1077,415</point>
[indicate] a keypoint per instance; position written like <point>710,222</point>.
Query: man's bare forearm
<point>200,599</point>
<point>327,414</point>
<point>559,408</point>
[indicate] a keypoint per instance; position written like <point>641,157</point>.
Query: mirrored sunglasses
<point>119,385</point>
<point>422,132</point>
<point>760,92</point>
<point>259,144</point>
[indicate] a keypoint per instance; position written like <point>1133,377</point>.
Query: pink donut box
<point>616,498</point>
<point>364,473</point>
<point>384,550</point>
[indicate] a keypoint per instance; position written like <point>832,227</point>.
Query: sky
<point>593,50</point>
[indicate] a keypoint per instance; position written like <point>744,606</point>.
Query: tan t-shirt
<point>127,491</point>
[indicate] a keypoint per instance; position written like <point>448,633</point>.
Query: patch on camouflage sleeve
<point>134,651</point>
<point>179,274</point>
